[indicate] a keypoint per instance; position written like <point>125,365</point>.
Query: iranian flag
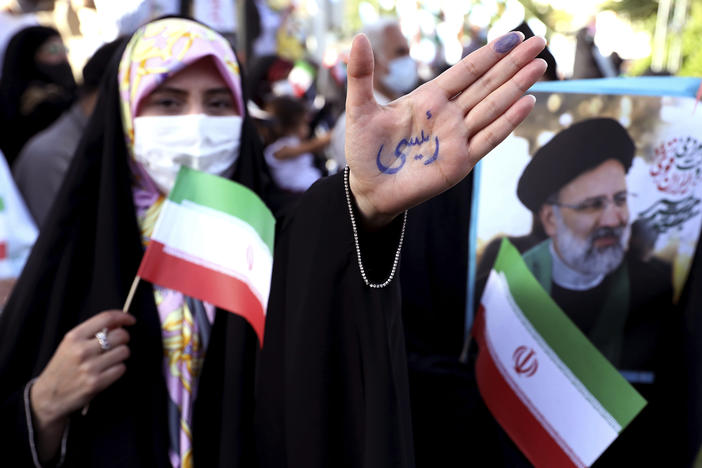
<point>556,396</point>
<point>214,241</point>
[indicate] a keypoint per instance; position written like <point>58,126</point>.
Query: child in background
<point>290,155</point>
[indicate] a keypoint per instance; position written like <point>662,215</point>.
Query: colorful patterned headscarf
<point>156,52</point>
<point>161,49</point>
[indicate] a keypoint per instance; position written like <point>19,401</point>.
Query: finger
<point>360,76</point>
<point>508,67</point>
<point>470,68</point>
<point>116,337</point>
<point>109,376</point>
<point>110,358</point>
<point>502,99</point>
<point>489,137</point>
<point>108,319</point>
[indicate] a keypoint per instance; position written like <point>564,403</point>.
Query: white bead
<point>358,248</point>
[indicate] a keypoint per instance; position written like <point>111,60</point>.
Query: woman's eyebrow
<point>222,90</point>
<point>167,90</point>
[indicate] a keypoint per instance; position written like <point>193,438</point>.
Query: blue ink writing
<point>428,114</point>
<point>387,169</point>
<point>402,156</point>
<point>416,142</point>
<point>435,156</point>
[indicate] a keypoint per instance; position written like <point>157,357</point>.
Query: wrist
<point>370,216</point>
<point>44,410</point>
<point>48,431</point>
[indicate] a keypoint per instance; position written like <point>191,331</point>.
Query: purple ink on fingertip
<point>507,42</point>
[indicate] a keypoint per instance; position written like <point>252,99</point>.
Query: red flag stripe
<point>197,281</point>
<point>518,421</point>
<point>3,250</point>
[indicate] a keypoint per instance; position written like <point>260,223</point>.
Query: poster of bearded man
<point>599,191</point>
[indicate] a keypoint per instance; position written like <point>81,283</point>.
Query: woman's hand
<point>424,143</point>
<point>78,370</point>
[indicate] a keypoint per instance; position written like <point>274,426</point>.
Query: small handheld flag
<point>551,390</point>
<point>214,241</point>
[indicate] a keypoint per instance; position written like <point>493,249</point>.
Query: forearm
<point>49,425</point>
<point>19,432</point>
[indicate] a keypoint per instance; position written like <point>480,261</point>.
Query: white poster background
<point>220,15</point>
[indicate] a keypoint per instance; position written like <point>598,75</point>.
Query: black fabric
<point>551,73</point>
<point>587,144</point>
<point>32,96</point>
<point>580,305</point>
<point>691,305</point>
<point>58,73</point>
<point>84,262</point>
<point>435,272</point>
<point>444,398</point>
<point>332,387</point>
<point>97,65</point>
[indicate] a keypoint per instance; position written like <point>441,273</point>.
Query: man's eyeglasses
<point>54,48</point>
<point>596,204</point>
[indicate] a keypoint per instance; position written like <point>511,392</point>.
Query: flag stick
<point>130,296</point>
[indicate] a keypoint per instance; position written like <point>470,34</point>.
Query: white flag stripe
<point>218,268</point>
<point>534,411</point>
<point>548,392</point>
<point>219,240</point>
<point>223,215</point>
<point>584,392</point>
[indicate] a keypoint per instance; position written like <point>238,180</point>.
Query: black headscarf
<point>54,90</point>
<point>84,262</point>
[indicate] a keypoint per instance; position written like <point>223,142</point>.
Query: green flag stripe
<point>224,195</point>
<point>600,378</point>
<point>2,204</point>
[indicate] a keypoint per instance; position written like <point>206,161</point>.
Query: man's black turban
<point>577,149</point>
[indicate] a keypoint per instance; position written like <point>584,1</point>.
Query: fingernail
<point>507,42</point>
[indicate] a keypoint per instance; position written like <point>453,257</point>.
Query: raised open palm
<point>416,147</point>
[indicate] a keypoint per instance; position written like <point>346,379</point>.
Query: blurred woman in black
<point>37,86</point>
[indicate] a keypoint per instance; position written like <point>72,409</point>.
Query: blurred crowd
<point>296,100</point>
<point>297,104</point>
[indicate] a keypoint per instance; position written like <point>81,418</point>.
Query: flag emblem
<point>525,362</point>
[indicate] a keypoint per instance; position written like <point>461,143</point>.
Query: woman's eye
<point>167,103</point>
<point>163,105</point>
<point>219,106</point>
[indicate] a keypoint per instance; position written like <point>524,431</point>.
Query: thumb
<point>360,76</point>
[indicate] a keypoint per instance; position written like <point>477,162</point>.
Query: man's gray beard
<point>582,255</point>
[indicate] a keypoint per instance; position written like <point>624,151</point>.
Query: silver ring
<point>102,339</point>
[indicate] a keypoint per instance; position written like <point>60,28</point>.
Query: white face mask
<point>164,143</point>
<point>402,75</point>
